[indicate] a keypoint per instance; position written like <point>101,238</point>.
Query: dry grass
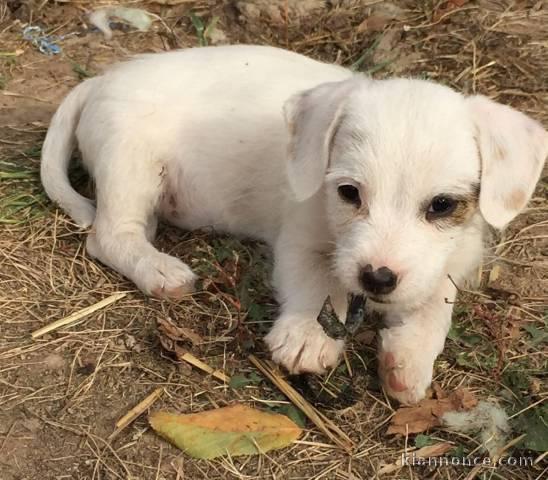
<point>61,394</point>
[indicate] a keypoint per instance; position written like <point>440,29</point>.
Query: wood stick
<point>186,356</point>
<point>321,421</point>
<point>135,412</point>
<point>77,315</point>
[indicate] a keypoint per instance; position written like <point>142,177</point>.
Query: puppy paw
<point>405,370</point>
<point>164,276</point>
<point>303,347</point>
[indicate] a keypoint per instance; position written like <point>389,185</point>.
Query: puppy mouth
<point>380,300</point>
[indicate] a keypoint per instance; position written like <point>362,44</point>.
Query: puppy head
<point>407,169</point>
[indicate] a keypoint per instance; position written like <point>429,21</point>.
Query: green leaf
<point>464,360</point>
<point>199,27</point>
<point>256,312</point>
<point>34,151</point>
<point>534,423</point>
<point>294,414</point>
<point>455,332</point>
<point>458,452</point>
<point>422,440</point>
<point>515,380</point>
<point>211,26</point>
<point>233,430</point>
<point>471,339</point>
<point>356,66</point>
<point>240,381</point>
<point>81,71</point>
<point>537,335</point>
<point>197,22</point>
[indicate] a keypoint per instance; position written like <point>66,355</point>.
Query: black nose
<point>381,281</point>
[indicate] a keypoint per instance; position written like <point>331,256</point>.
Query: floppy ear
<point>513,149</point>
<point>312,117</point>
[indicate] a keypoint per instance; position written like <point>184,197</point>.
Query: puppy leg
<point>125,225</point>
<point>409,347</point>
<point>297,341</point>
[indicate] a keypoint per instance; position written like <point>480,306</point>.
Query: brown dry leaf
<point>447,7</point>
<point>168,328</point>
<point>233,430</point>
<point>381,15</point>
<point>374,23</point>
<point>438,391</point>
<point>365,337</point>
<point>172,2</point>
<point>428,413</point>
<point>535,386</point>
<point>172,337</point>
<point>183,355</point>
<point>429,451</point>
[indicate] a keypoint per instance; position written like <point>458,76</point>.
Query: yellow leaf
<point>234,430</point>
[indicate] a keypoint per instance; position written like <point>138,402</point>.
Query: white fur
<point>198,137</point>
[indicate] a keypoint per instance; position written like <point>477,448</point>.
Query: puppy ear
<point>513,149</point>
<point>312,117</point>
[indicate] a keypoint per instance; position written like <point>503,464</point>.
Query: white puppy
<point>376,186</point>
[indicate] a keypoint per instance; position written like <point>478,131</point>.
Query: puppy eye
<point>441,206</point>
<point>350,194</point>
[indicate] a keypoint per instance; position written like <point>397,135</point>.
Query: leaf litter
<point>233,430</point>
<point>429,412</point>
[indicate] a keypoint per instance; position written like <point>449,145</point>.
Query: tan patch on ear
<point>499,152</point>
<point>516,200</point>
<point>291,127</point>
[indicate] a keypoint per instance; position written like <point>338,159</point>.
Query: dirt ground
<point>61,394</point>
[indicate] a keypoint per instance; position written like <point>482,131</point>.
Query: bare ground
<point>61,394</point>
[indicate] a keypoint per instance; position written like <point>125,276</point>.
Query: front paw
<point>303,347</point>
<point>164,276</point>
<point>405,366</point>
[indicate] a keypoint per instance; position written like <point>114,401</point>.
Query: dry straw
<point>71,319</point>
<point>331,430</point>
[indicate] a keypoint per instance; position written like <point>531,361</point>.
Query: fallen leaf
<point>388,49</point>
<point>463,399</point>
<point>233,430</point>
<point>537,335</point>
<point>294,414</point>
<point>167,327</point>
<point>380,16</point>
<point>438,391</point>
<point>447,7</point>
<point>172,2</point>
<point>428,413</point>
<point>365,337</point>
<point>171,336</point>
<point>374,23</point>
<point>535,386</point>
<point>534,423</point>
<point>414,457</point>
<point>240,380</point>
<point>422,440</point>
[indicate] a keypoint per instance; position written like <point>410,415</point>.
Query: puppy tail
<point>56,152</point>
